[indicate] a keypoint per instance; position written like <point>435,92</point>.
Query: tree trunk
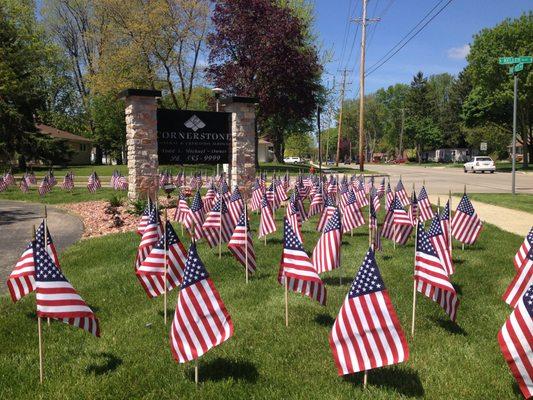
<point>256,140</point>
<point>278,151</point>
<point>22,162</point>
<point>98,153</point>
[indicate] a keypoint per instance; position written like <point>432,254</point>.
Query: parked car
<point>292,160</point>
<point>480,164</point>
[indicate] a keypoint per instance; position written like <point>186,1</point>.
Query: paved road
<point>439,180</point>
<point>16,221</point>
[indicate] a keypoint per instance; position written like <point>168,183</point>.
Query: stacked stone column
<point>242,158</point>
<point>141,141</point>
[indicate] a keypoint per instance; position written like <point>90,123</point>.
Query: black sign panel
<point>193,137</point>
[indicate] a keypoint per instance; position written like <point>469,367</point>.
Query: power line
<point>373,69</point>
<point>382,13</point>
<point>347,29</point>
<point>439,2</point>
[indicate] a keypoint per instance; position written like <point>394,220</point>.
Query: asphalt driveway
<point>16,223</point>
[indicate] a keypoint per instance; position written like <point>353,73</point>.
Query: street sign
<point>506,60</point>
<point>518,67</point>
<point>515,60</point>
<point>483,146</point>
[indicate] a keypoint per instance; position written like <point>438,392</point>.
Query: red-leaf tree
<point>259,48</point>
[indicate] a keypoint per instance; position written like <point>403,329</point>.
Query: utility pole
<point>401,132</point>
<point>362,145</point>
<point>339,133</point>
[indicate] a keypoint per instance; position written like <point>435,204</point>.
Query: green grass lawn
<point>522,202</point>
<point>57,195</point>
<point>264,359</point>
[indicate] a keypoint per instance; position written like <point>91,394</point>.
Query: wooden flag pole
<point>462,244</point>
<point>46,243</point>
<point>196,372</point>
<point>245,239</point>
<point>369,224</point>
<point>450,221</point>
<point>414,286</point>
<point>166,262</point>
<point>220,231</point>
<point>39,327</point>
<point>339,207</point>
<point>365,379</point>
<point>286,301</point>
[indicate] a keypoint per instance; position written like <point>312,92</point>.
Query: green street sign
<point>511,70</point>
<point>506,60</point>
<point>525,59</point>
<point>518,67</point>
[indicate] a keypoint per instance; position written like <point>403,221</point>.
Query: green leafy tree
<point>490,102</point>
<point>421,128</point>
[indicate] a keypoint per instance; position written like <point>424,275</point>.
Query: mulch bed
<point>99,220</point>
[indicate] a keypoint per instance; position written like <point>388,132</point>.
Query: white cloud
<point>458,53</point>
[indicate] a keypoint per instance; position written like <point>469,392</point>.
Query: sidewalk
<point>514,221</point>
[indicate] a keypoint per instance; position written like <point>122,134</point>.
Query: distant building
<point>453,155</point>
<point>265,151</point>
<point>81,146</point>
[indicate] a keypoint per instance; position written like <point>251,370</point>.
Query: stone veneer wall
<point>141,141</point>
<point>242,167</point>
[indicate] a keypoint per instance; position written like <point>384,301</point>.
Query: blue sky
<point>440,47</point>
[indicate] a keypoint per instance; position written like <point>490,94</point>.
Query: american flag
<point>317,203</point>
<point>343,192</point>
<point>381,189</point>
<point>236,205</point>
<point>201,320</point>
<point>272,198</point>
<point>295,219</point>
<point>281,193</point>
<point>426,213</point>
<point>44,186</point>
<point>400,216</point>
<point>68,181</point>
<point>151,273</point>
<point>367,333</point>
<point>3,184</point>
<point>298,200</point>
<point>209,197</point>
<point>144,218</point>
<point>374,197</point>
<point>327,252</point>
<point>389,197</point>
<point>374,228</point>
<point>31,178</point>
<point>431,277</point>
<point>218,224</point>
<point>23,186</point>
<point>255,202</point>
<point>9,179</point>
<point>196,216</point>
<point>516,343</point>
<point>360,194</point>
<point>93,184</point>
<point>352,217</point>
<point>297,268</point>
<point>522,280</point>
<point>445,223</point>
<point>438,240</point>
<point>241,242</point>
<point>21,281</point>
<point>402,194</point>
<point>397,233</point>
<point>56,298</point>
<point>413,210</point>
<point>51,178</point>
<point>182,210</point>
<point>224,190</point>
<point>521,254</point>
<point>266,224</point>
<point>466,225</point>
<point>329,209</point>
<point>150,237</point>
<point>332,187</point>
<point>121,183</point>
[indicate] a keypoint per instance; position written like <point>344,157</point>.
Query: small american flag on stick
<point>522,280</point>
<point>523,250</point>
<point>426,213</point>
<point>297,268</point>
<point>466,225</point>
<point>367,333</point>
<point>241,244</point>
<point>516,343</point>
<point>201,320</point>
<point>267,224</point>
<point>327,252</point>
